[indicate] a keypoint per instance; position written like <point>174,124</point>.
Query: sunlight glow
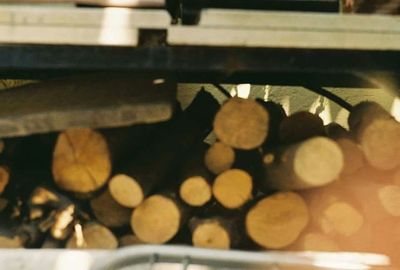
<point>114,30</point>
<point>243,90</point>
<point>395,110</point>
<point>267,92</point>
<point>286,104</point>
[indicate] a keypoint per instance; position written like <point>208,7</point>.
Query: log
<point>333,210</point>
<point>215,232</point>
<point>158,219</point>
<point>242,124</point>
<point>129,240</point>
<point>314,241</point>
<point>233,188</point>
<point>377,132</point>
<point>4,178</point>
<point>2,146</point>
<point>95,100</point>
<point>336,131</point>
<point>92,236</point>
<point>10,242</point>
<point>83,157</point>
<point>150,168</point>
<point>277,114</point>
<point>219,158</point>
<point>63,223</point>
<point>108,212</point>
<point>312,163</point>
<point>353,156</point>
<point>300,126</point>
<point>81,160</point>
<point>276,221</point>
<point>195,187</point>
<point>125,191</point>
<point>377,196</point>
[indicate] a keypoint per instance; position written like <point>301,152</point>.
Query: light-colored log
<point>276,221</point>
<point>242,123</point>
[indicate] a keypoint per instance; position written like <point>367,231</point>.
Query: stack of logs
<point>270,181</point>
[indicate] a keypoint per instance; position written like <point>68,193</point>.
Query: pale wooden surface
<point>65,25</point>
<point>290,30</point>
<point>92,101</point>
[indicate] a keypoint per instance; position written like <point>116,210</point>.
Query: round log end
<point>219,158</point>
<point>211,235</point>
<point>4,178</point>
<point>7,242</point>
<point>129,240</point>
<point>276,221</point>
<point>93,236</point>
<point>233,188</point>
<point>318,161</point>
<point>195,191</point>
<point>125,190</point>
<point>341,218</point>
<point>242,123</point>
<point>380,143</point>
<point>109,212</point>
<point>389,197</point>
<point>81,160</point>
<point>156,220</point>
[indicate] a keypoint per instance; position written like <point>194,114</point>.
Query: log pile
<point>270,181</point>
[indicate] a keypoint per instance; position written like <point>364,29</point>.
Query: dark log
<point>150,168</point>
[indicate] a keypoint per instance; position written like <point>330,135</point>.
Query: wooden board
<point>289,30</point>
<point>97,100</point>
<point>76,26</point>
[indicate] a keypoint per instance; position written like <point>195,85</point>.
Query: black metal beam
<point>209,64</point>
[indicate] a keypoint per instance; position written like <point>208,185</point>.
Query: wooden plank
<point>118,3</point>
<point>98,100</point>
<point>83,17</point>
<point>68,35</point>
<point>300,21</point>
<point>277,38</point>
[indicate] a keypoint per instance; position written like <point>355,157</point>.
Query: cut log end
<point>211,235</point>
<point>129,240</point>
<point>381,144</point>
<point>277,221</point>
<point>340,219</point>
<point>125,190</point>
<point>242,123</point>
<point>109,212</point>
<point>156,220</point>
<point>7,242</point>
<point>92,236</point>
<point>389,197</point>
<point>233,188</point>
<point>195,191</point>
<point>4,178</point>
<point>81,160</point>
<point>219,158</point>
<point>318,161</point>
